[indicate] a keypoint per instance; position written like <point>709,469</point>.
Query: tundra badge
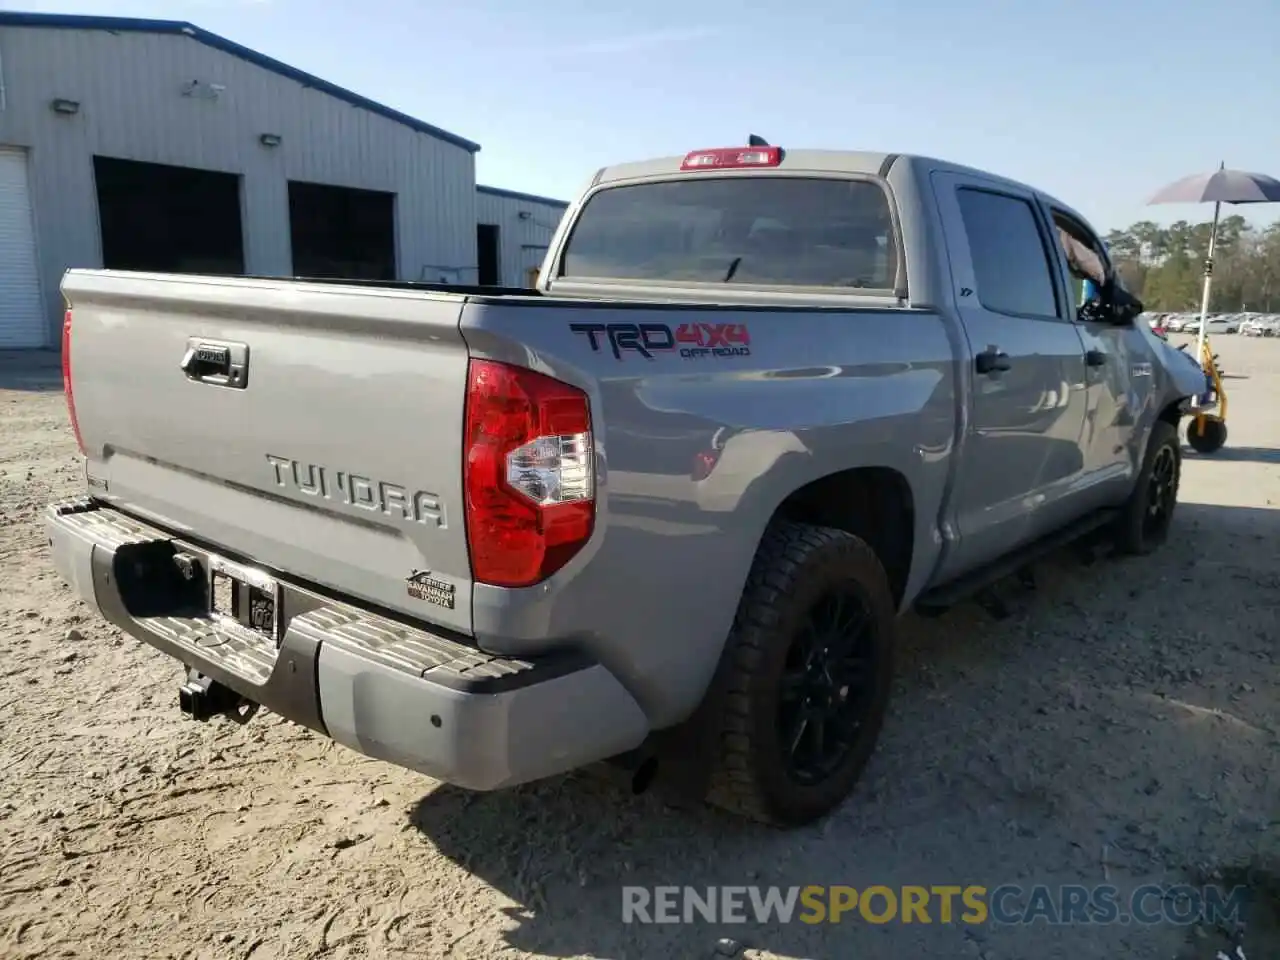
<point>421,585</point>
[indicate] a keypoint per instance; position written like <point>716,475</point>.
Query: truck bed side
<point>695,452</point>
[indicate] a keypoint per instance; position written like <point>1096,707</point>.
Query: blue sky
<point>1096,101</point>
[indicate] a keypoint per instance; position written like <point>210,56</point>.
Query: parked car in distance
<point>1262,325</point>
<point>1214,324</point>
<point>663,509</point>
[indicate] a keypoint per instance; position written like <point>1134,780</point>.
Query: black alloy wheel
<point>827,688</point>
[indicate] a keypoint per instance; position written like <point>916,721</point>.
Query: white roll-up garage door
<point>22,322</point>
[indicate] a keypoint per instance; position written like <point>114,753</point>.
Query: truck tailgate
<point>315,429</point>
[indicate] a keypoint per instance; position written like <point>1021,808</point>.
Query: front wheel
<point>1144,521</point>
<point>809,667</point>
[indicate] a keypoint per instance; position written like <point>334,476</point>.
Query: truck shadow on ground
<point>1015,751</point>
<point>34,371</point>
<point>1236,454</point>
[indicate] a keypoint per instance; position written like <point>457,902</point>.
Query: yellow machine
<point>1207,431</point>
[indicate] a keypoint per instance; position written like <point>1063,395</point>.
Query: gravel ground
<point>1122,725</point>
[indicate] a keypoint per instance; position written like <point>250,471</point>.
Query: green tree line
<point>1164,266</point>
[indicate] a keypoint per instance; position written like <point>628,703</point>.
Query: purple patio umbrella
<point>1221,186</point>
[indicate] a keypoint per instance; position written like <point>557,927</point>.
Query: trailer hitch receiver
<point>203,698</point>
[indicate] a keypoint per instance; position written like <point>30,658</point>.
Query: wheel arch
<point>874,503</point>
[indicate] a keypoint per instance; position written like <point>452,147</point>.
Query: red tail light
<point>529,475</point>
<point>67,390</point>
<point>725,158</point>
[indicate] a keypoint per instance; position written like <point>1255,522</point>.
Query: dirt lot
<point>1122,725</point>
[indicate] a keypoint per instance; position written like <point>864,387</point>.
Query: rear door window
<point>775,231</point>
<point>1010,261</point>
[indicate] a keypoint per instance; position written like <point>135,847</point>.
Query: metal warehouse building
<point>514,232</point>
<point>155,145</point>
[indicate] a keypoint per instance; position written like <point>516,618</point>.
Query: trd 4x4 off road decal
<point>693,341</point>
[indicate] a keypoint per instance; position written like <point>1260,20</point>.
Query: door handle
<point>1095,358</point>
<point>220,363</point>
<point>991,360</point>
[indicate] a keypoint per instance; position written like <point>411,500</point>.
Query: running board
<point>963,588</point>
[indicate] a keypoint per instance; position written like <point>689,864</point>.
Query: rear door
<point>1021,454</point>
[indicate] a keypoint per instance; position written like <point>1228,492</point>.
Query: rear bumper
<point>383,688</point>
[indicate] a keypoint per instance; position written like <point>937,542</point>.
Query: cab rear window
<point>774,231</point>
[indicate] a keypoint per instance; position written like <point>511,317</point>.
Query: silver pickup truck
<point>664,509</point>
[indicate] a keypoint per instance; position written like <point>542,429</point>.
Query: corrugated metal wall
<point>522,240</point>
<point>129,86</point>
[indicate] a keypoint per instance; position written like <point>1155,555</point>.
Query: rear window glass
<point>785,231</point>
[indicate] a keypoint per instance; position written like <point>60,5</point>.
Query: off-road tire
<point>1213,438</point>
<point>795,567</point>
<point>1132,535</point>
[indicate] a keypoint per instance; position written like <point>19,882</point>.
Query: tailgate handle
<point>219,363</point>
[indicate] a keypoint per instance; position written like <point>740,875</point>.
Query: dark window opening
<point>782,231</point>
<point>342,232</point>
<point>1091,244</point>
<point>1010,260</point>
<point>156,217</point>
<point>487,243</point>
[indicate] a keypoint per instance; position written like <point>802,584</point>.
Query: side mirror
<point>1111,304</point>
<point>1115,304</point>
<point>1125,308</point>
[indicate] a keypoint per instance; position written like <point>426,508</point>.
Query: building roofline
<point>517,195</point>
<point>182,28</point>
